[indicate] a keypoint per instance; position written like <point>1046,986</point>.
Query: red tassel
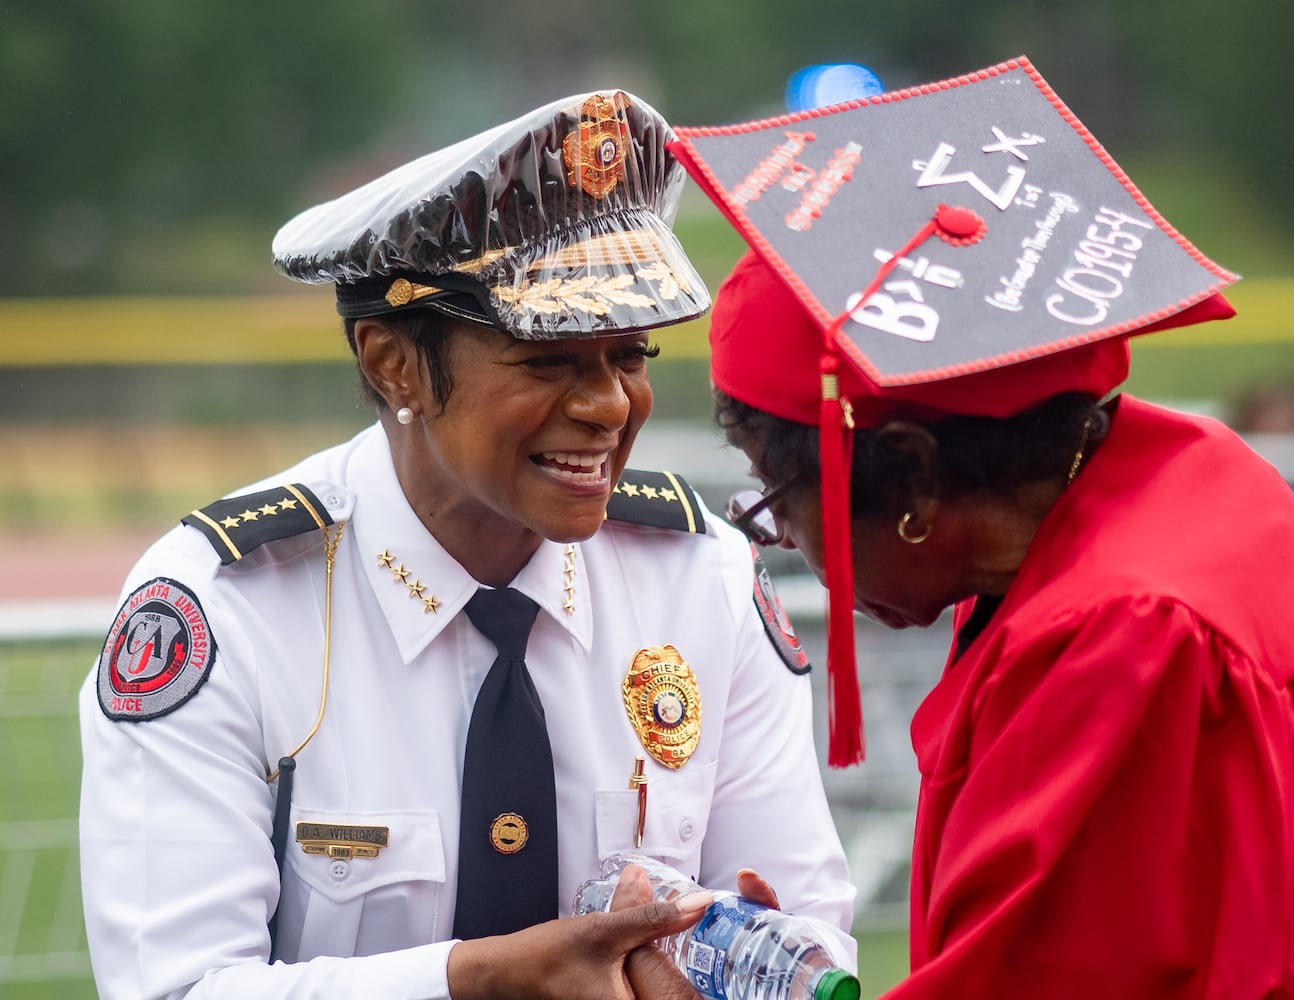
<point>836,451</point>
<point>835,437</point>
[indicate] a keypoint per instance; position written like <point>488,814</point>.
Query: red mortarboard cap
<point>961,247</point>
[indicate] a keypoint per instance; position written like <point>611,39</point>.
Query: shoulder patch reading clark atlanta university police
<point>776,623</point>
<point>158,653</point>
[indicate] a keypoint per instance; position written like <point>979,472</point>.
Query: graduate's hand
<point>598,956</point>
<point>751,885</point>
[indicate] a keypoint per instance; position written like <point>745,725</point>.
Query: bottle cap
<point>837,984</point>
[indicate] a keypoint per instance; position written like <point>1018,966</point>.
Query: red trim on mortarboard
<point>1183,311</point>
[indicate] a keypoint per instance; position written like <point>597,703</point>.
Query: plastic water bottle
<point>738,950</point>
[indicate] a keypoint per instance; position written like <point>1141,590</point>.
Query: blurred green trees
<point>155,147</point>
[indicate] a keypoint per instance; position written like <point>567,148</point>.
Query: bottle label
<point>707,951</point>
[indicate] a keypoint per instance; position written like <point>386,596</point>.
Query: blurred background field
<point>150,359</point>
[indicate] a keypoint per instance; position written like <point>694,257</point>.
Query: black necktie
<point>507,838</point>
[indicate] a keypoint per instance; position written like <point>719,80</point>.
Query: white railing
<point>42,935</point>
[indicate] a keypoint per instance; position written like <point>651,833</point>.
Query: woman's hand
<point>598,956</point>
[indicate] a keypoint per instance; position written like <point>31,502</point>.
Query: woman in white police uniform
<point>296,668</point>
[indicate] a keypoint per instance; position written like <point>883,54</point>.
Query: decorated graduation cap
<point>556,224</point>
<point>963,247</point>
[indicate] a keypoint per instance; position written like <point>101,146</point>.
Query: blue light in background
<point>830,83</point>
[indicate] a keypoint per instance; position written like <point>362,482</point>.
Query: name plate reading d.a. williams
<point>337,840</point>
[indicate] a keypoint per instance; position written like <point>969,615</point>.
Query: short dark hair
<point>429,330</point>
<point>974,453</point>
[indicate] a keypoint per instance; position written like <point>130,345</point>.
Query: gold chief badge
<point>664,704</point>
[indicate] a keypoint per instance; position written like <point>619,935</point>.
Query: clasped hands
<point>598,956</point>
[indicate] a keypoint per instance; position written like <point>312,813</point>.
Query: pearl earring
<point>404,415</point>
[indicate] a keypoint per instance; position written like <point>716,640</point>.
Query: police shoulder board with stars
<point>160,650</point>
<point>656,500</point>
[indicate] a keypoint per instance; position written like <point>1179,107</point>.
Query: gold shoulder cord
<point>331,540</point>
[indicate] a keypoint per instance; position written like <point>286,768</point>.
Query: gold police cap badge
<point>595,152</point>
<point>664,704</point>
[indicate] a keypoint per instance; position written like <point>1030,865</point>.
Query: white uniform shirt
<point>178,874</point>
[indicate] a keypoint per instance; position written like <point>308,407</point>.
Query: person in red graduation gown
<point>1107,796</point>
<point>1108,766</point>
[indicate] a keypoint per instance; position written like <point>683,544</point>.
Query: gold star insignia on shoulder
<point>401,573</point>
<point>384,559</point>
<point>415,588</point>
<point>656,499</point>
<point>262,517</point>
<point>430,604</point>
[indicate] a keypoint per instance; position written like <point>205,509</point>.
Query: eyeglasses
<point>750,511</point>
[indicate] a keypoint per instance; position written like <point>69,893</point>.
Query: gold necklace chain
<point>331,540</point>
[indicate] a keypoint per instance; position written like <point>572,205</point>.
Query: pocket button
<point>339,870</point>
<point>686,829</point>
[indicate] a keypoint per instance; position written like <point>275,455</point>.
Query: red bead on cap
<point>959,226</point>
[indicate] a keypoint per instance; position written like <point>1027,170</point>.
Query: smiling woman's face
<point>534,434</point>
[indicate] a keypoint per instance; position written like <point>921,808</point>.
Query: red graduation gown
<point>1107,797</point>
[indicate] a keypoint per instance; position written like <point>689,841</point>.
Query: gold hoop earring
<point>903,530</point>
<point>1078,455</point>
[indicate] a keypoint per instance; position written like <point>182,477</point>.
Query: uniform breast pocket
<point>346,893</point>
<point>678,812</point>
